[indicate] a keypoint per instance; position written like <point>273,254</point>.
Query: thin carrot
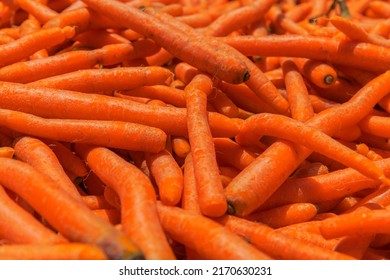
<point>29,71</point>
<point>67,158</point>
<point>36,153</point>
<point>77,105</point>
<point>205,236</point>
<point>168,176</point>
<point>212,200</point>
<point>27,45</point>
<point>107,80</point>
<point>40,11</point>
<point>110,133</point>
<point>19,226</point>
<point>276,244</point>
<point>84,227</point>
<point>137,197</point>
<point>223,103</point>
<point>68,251</point>
<point>78,18</point>
<point>190,201</point>
<point>217,61</point>
<point>284,24</point>
<point>99,38</point>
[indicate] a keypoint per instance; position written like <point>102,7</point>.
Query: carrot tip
<point>329,79</point>
<point>246,77</point>
<point>230,209</point>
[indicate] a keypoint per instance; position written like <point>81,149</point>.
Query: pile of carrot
<point>195,129</point>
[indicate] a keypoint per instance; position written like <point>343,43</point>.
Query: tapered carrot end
<point>69,32</point>
<point>214,209</point>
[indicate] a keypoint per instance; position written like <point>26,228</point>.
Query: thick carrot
<point>276,244</point>
<point>29,44</point>
<point>29,71</point>
<point>205,236</point>
<point>107,80</point>
<point>167,174</point>
<point>212,200</point>
<point>116,134</point>
<point>59,209</point>
<point>359,55</point>
<point>19,226</point>
<point>137,197</point>
<point>224,62</point>
<point>36,153</point>
<point>68,251</point>
<point>76,105</point>
<point>266,173</point>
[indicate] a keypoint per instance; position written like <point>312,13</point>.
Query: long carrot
<point>77,105</point>
<point>205,236</point>
<point>214,61</point>
<point>58,209</point>
<point>68,251</point>
<point>107,80</point>
<point>29,44</point>
<point>19,226</point>
<point>212,200</point>
<point>40,11</point>
<point>116,134</point>
<point>40,156</point>
<point>138,200</point>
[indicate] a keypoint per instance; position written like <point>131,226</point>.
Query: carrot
<point>284,215</point>
<point>282,23</point>
<point>106,80</point>
<point>380,7</point>
<point>223,103</point>
<point>181,146</point>
<point>25,46</point>
<point>96,202</point>
<point>375,125</point>
<point>297,93</point>
<point>7,152</point>
<point>99,107</point>
<point>67,158</point>
<point>277,245</point>
<point>29,71</point>
<point>138,200</point>
<point>99,38</point>
<point>112,197</point>
<point>110,133</point>
<point>85,227</point>
<point>113,216</point>
<point>40,11</point>
<point>68,251</point>
<point>357,33</point>
<point>250,188</point>
<point>217,61</point>
<point>359,55</point>
<point>78,18</point>
<point>168,176</point>
<point>36,153</point>
<point>196,231</point>
<point>19,226</point>
<point>190,199</point>
<point>212,200</point>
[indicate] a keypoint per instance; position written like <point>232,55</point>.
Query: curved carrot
<point>217,62</point>
<point>137,197</point>
<point>29,44</point>
<point>109,133</point>
<point>68,251</point>
<point>77,105</point>
<point>40,11</point>
<point>284,215</point>
<point>41,157</point>
<point>168,176</point>
<point>19,226</point>
<point>205,236</point>
<point>359,55</point>
<point>287,128</point>
<point>212,200</point>
<point>58,209</point>
<point>277,244</point>
<point>107,80</point>
<point>249,189</point>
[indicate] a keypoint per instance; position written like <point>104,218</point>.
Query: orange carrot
<point>110,133</point>
<point>196,231</point>
<point>181,146</point>
<point>7,152</point>
<point>68,251</point>
<point>40,11</point>
<point>19,226</point>
<point>190,200</point>
<point>96,202</point>
<point>168,176</point>
<point>212,200</point>
<point>138,200</point>
<point>78,18</point>
<point>85,227</point>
